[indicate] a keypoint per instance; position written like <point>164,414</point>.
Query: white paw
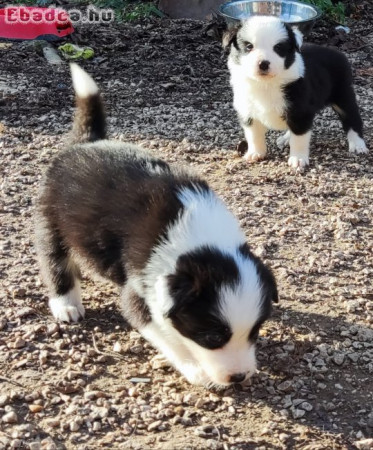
<point>355,143</point>
<point>194,374</point>
<point>298,163</point>
<point>254,156</point>
<point>360,149</point>
<point>67,308</point>
<point>283,140</point>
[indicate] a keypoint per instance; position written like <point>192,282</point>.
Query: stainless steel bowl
<point>293,12</point>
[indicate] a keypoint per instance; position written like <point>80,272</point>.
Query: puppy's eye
<point>214,339</point>
<point>280,48</point>
<point>248,46</point>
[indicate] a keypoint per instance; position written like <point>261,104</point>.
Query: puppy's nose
<point>264,65</point>
<point>237,377</point>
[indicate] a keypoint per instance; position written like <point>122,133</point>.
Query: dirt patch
<point>95,385</point>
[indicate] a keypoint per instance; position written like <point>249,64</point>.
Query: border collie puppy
<point>278,84</point>
<point>188,280</point>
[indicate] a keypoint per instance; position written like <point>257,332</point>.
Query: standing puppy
<point>188,281</point>
<point>278,84</point>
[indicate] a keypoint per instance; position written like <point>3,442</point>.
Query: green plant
<point>335,11</point>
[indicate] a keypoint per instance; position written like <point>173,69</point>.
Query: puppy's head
<point>220,302</point>
<point>265,48</point>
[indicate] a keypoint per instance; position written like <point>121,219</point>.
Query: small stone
<point>96,426</point>
<point>136,348</point>
<point>74,426</point>
<point>338,358</point>
<point>354,357</point>
<point>19,292</point>
<point>330,406</point>
<point>154,425</point>
<point>53,423</point>
<point>190,399</point>
<point>4,400</point>
<point>10,417</point>
<point>364,444</point>
<point>285,386</point>
<point>306,406</point>
<point>126,429</point>
<point>117,347</point>
<point>43,357</point>
<point>53,328</point>
<point>26,311</point>
<point>283,437</point>
<point>48,444</point>
<point>35,408</point>
<point>19,343</point>
<point>34,445</point>
<point>3,323</point>
<point>297,413</point>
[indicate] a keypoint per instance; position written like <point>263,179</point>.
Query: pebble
<point>306,406</point>
<point>74,426</point>
<point>338,358</point>
<point>364,444</point>
<point>10,417</point>
<point>154,425</point>
<point>34,445</point>
<point>35,408</point>
<point>285,386</point>
<point>96,426</point>
<point>297,413</point>
<point>19,343</point>
<point>4,400</point>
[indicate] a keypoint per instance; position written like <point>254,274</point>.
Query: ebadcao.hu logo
<point>16,14</point>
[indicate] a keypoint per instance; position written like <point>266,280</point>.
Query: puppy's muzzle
<point>264,67</point>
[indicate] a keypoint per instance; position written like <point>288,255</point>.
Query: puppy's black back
<point>111,203</point>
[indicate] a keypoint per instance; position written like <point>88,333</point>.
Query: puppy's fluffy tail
<point>89,122</point>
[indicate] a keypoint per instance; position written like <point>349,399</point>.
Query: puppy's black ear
<point>269,285</point>
<point>267,279</point>
<point>186,283</point>
<point>230,36</point>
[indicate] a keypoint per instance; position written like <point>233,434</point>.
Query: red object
<point>21,22</point>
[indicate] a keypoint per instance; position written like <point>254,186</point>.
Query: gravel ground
<point>96,384</point>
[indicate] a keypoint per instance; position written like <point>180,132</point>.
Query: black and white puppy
<point>280,84</point>
<point>189,282</point>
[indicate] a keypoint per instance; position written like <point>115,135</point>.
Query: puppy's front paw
<point>356,144</point>
<point>297,162</point>
<point>194,374</point>
<point>283,141</point>
<point>67,308</point>
<point>254,156</point>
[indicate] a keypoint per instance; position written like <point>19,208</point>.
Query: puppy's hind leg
<point>60,274</point>
<point>283,140</point>
<point>255,136</point>
<point>348,112</point>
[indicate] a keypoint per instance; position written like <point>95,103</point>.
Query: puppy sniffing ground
<point>188,280</point>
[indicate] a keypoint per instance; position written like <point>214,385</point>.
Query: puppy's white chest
<point>261,101</point>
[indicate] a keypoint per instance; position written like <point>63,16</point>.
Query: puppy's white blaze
<point>204,222</point>
<point>241,305</point>
<point>84,85</point>
<point>298,36</point>
<point>355,143</point>
<point>69,307</point>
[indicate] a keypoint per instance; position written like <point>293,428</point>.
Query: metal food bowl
<point>293,12</point>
